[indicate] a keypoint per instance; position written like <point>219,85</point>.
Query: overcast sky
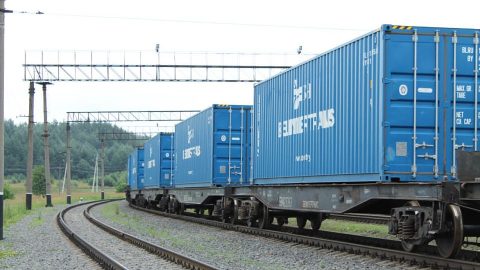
<point>191,25</point>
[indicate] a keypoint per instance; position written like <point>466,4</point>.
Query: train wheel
<point>450,242</point>
<point>408,247</point>
<point>316,221</point>
<point>301,222</point>
<point>265,220</point>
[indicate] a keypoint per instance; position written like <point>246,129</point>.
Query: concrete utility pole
<point>102,168</point>
<point>46,147</point>
<point>28,184</point>
<point>2,103</point>
<point>69,175</point>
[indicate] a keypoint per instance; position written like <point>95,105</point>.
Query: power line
<point>306,27</point>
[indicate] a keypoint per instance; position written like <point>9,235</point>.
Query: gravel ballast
<point>229,249</point>
<point>123,252</point>
<point>36,242</point>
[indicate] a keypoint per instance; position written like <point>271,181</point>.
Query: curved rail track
<point>425,256</point>
<point>107,261</point>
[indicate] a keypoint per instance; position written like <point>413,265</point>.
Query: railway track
<point>425,256</point>
<point>107,254</point>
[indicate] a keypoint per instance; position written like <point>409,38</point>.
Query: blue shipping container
<point>396,104</point>
<point>213,147</point>
<point>158,152</point>
<point>135,171</point>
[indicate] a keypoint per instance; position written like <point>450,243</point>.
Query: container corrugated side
<point>213,147</point>
<point>396,104</point>
<point>320,120</point>
<point>158,153</point>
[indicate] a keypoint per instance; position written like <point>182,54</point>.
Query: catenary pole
<point>69,172</point>
<point>28,184</point>
<point>46,148</point>
<point>102,169</point>
<point>2,103</point>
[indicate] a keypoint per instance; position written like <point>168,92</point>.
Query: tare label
<point>463,89</point>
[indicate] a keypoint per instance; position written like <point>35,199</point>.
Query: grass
<point>365,229</point>
<point>37,221</point>
<point>15,209</point>
<point>350,227</point>
<point>7,253</point>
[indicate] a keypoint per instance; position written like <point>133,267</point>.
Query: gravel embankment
<point>127,254</point>
<point>36,242</point>
<point>228,249</point>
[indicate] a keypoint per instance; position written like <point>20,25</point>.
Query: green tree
<point>39,185</point>
<point>85,145</point>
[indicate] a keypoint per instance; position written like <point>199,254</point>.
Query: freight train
<point>384,124</point>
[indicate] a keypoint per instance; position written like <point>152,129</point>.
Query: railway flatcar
<point>384,124</point>
<point>156,167</point>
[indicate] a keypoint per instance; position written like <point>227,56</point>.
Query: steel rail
<point>164,253</point>
<point>103,259</point>
<point>375,247</point>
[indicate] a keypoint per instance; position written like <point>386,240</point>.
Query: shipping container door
<point>139,164</point>
<point>166,158</point>
<point>151,161</point>
<point>463,94</point>
<point>231,143</point>
<point>425,72</point>
<point>134,170</point>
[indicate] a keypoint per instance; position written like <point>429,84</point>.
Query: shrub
<point>7,192</point>
<point>120,187</point>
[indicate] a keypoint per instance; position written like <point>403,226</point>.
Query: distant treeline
<point>85,145</point>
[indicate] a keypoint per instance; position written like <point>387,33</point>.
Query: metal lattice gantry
<point>50,66</point>
<point>125,136</point>
<point>129,116</point>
